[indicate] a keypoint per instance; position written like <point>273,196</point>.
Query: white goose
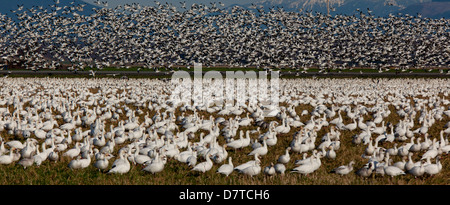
<point>269,170</point>
<point>252,170</point>
<point>305,168</point>
<point>102,162</point>
<point>351,126</point>
<point>121,165</point>
<point>432,169</point>
<point>280,168</point>
<point>344,169</point>
<point>248,164</point>
<point>284,159</point>
<point>417,171</point>
<point>261,151</point>
<point>154,166</point>
<point>226,169</point>
<point>393,171</point>
<point>7,159</point>
<point>204,166</point>
<point>73,152</point>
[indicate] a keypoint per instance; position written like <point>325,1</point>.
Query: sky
<point>114,3</point>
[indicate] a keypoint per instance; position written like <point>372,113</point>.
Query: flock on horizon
<point>168,35</point>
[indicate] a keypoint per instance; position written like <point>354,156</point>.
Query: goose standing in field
<point>305,168</point>
<point>393,171</point>
<point>432,169</point>
<point>284,159</point>
<point>15,144</point>
<point>154,166</point>
<point>121,165</point>
<point>410,163</point>
<point>80,163</point>
<point>351,126</point>
<point>204,166</point>
<point>366,170</point>
<point>26,162</point>
<point>432,152</point>
<point>416,147</point>
<point>226,169</point>
<point>75,163</point>
<point>7,159</point>
<point>101,162</point>
<point>261,151</point>
<point>393,151</point>
<point>417,171</point>
<point>73,152</point>
<point>252,170</point>
<point>280,168</point>
<point>249,163</point>
<point>344,169</point>
<point>236,144</point>
<point>269,170</point>
<point>330,154</point>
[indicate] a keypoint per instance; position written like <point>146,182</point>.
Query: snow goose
<point>28,149</point>
<point>369,149</point>
<point>366,170</point>
<point>416,147</point>
<point>280,168</point>
<point>41,156</point>
<point>53,155</point>
<point>204,166</point>
<point>432,152</point>
<point>26,162</point>
<point>75,163</point>
<point>417,171</point>
<point>303,160</point>
<point>393,151</point>
<point>236,144</point>
<point>261,151</point>
<point>269,170</point>
<point>247,164</point>
<point>403,151</point>
<point>220,155</point>
<point>305,168</point>
<point>192,160</point>
<point>154,166</point>
<point>432,169</point>
<point>101,162</point>
<point>379,130</point>
<point>121,165</point>
<point>226,169</point>
<point>73,152</point>
<point>400,164</point>
<point>15,144</point>
<point>330,154</point>
<point>139,158</point>
<point>344,169</point>
<point>80,163</point>
<point>351,126</point>
<point>410,163</point>
<point>393,171</point>
<point>252,170</point>
<point>361,124</point>
<point>284,159</point>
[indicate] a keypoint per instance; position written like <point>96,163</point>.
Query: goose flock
<point>402,126</point>
<point>170,36</point>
